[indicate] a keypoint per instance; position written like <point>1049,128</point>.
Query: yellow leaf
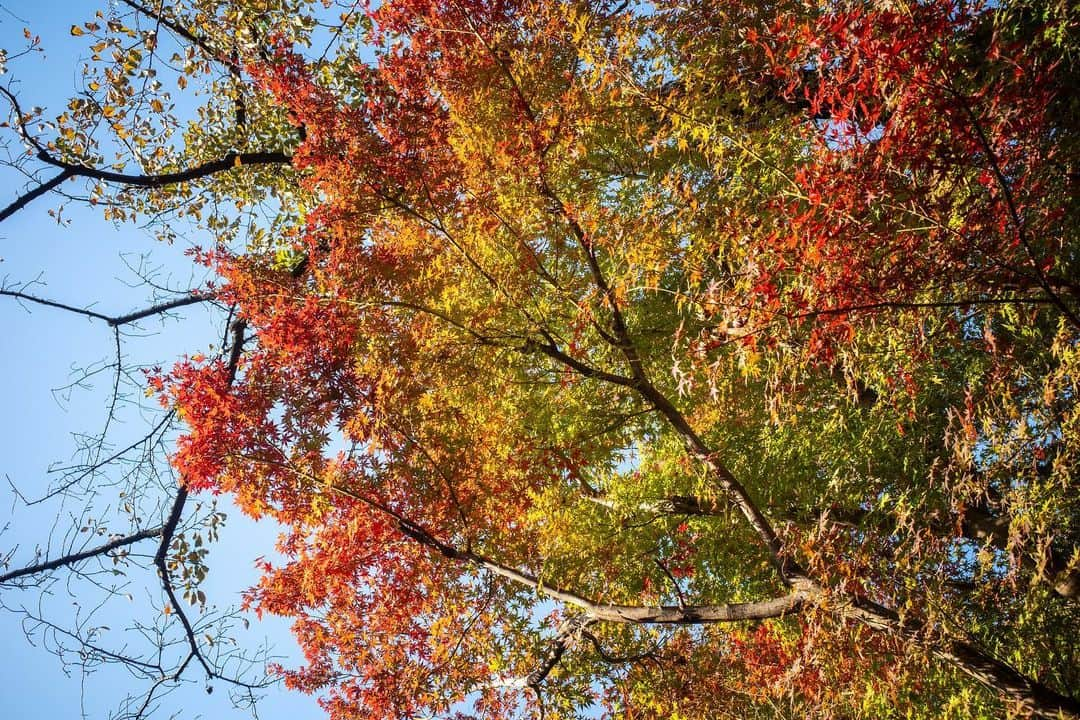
<point>76,31</point>
<point>156,105</point>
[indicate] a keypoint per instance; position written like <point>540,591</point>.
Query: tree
<point>690,360</point>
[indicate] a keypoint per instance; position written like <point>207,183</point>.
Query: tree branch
<point>694,444</point>
<point>112,321</point>
<point>169,529</point>
<point>552,350</point>
<point>77,557</point>
<point>69,170</point>
<point>633,614</point>
<point>977,525</point>
<point>1038,699</point>
<point>202,43</point>
<point>568,631</point>
<point>229,161</point>
<point>1010,204</point>
<point>617,659</point>
<point>33,194</point>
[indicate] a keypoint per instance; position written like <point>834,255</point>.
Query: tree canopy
<point>666,360</point>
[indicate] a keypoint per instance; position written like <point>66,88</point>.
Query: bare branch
<point>112,320</point>
<point>160,560</point>
<point>34,193</point>
<point>77,557</point>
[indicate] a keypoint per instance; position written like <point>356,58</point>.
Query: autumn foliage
<point>697,359</point>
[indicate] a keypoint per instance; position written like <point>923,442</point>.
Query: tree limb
<point>200,42</point>
<point>169,529</point>
<point>36,192</point>
<point>229,161</point>
<point>77,557</point>
<point>632,614</point>
<point>117,320</point>
<point>1038,699</point>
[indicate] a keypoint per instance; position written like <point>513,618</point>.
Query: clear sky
<point>85,261</point>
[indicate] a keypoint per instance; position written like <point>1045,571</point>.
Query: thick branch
<point>734,489</point>
<point>568,631</point>
<point>969,659</point>
<point>633,614</point>
<point>33,194</point>
<point>540,674</point>
<point>585,370</point>
<point>1038,699</point>
<point>70,170</point>
<point>77,557</point>
<point>229,161</point>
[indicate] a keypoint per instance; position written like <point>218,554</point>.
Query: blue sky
<point>85,261</point>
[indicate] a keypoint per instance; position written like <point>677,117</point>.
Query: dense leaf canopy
<point>697,359</point>
<point>687,360</point>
